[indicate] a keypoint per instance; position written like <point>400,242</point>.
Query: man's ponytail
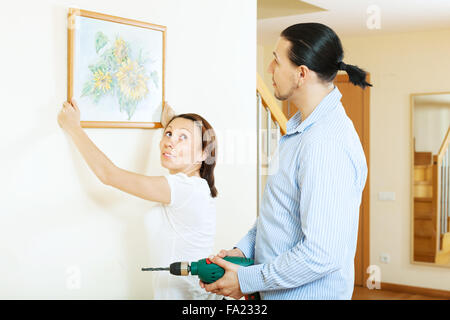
<point>356,75</point>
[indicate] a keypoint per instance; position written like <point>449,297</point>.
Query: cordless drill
<point>206,270</point>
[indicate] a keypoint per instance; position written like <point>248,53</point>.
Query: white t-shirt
<point>183,230</point>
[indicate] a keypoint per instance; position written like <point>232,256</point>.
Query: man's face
<point>283,71</point>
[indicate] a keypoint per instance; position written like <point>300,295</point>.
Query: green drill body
<point>209,272</point>
<point>206,270</point>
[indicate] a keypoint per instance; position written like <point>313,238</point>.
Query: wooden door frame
<point>365,239</point>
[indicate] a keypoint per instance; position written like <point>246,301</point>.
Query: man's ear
<point>167,114</point>
<point>302,72</point>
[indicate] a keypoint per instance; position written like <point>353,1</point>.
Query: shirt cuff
<point>251,278</point>
<point>247,247</point>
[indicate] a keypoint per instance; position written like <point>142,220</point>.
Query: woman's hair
<point>209,145</point>
<point>319,48</point>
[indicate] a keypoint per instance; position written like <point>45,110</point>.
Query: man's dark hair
<point>319,48</point>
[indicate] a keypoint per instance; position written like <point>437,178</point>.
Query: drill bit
<point>180,268</point>
<point>155,269</point>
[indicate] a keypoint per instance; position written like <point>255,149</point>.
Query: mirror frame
<point>411,151</point>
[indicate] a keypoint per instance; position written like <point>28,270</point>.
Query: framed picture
<point>116,70</point>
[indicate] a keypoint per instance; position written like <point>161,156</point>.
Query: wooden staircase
<point>424,214</point>
<point>431,205</point>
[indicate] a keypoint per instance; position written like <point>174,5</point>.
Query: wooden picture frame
<point>133,97</point>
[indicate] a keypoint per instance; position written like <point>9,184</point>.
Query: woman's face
<point>181,146</point>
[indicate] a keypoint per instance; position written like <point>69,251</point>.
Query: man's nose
<point>269,68</point>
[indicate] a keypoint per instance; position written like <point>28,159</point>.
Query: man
<point>304,239</point>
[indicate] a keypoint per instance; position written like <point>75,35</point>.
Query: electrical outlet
<point>385,258</point>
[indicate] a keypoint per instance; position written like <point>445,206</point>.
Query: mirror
<point>430,178</point>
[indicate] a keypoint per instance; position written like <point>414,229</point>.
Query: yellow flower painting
<point>132,80</point>
<point>120,50</point>
<point>119,71</point>
<point>102,81</point>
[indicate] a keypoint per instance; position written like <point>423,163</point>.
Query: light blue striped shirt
<point>304,239</point>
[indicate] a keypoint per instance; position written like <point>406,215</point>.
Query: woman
<point>182,226</point>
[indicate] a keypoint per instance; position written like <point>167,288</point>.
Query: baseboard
<point>415,290</point>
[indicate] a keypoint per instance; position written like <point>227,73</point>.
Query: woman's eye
<point>168,133</point>
<point>183,137</point>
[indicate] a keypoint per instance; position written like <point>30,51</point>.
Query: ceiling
<point>282,8</point>
<point>351,17</point>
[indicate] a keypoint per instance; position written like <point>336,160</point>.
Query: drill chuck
<point>180,268</point>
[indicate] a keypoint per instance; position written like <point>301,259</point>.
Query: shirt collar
<point>295,124</point>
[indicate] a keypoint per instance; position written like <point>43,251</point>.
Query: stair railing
<point>269,133</point>
<point>441,172</point>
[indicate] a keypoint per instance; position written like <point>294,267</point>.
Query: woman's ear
<point>204,156</point>
<point>167,114</point>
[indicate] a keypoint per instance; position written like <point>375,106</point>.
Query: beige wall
<point>59,224</point>
<point>399,64</point>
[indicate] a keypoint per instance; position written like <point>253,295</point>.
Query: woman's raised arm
<point>149,188</point>
<point>146,187</point>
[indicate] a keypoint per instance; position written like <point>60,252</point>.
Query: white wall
<point>431,123</point>
<point>58,221</point>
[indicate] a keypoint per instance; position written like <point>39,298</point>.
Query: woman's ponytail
<point>356,75</point>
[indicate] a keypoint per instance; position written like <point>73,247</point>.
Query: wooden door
<point>356,104</point>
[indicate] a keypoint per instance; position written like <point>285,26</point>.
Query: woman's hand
<point>69,116</point>
<point>167,114</point>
